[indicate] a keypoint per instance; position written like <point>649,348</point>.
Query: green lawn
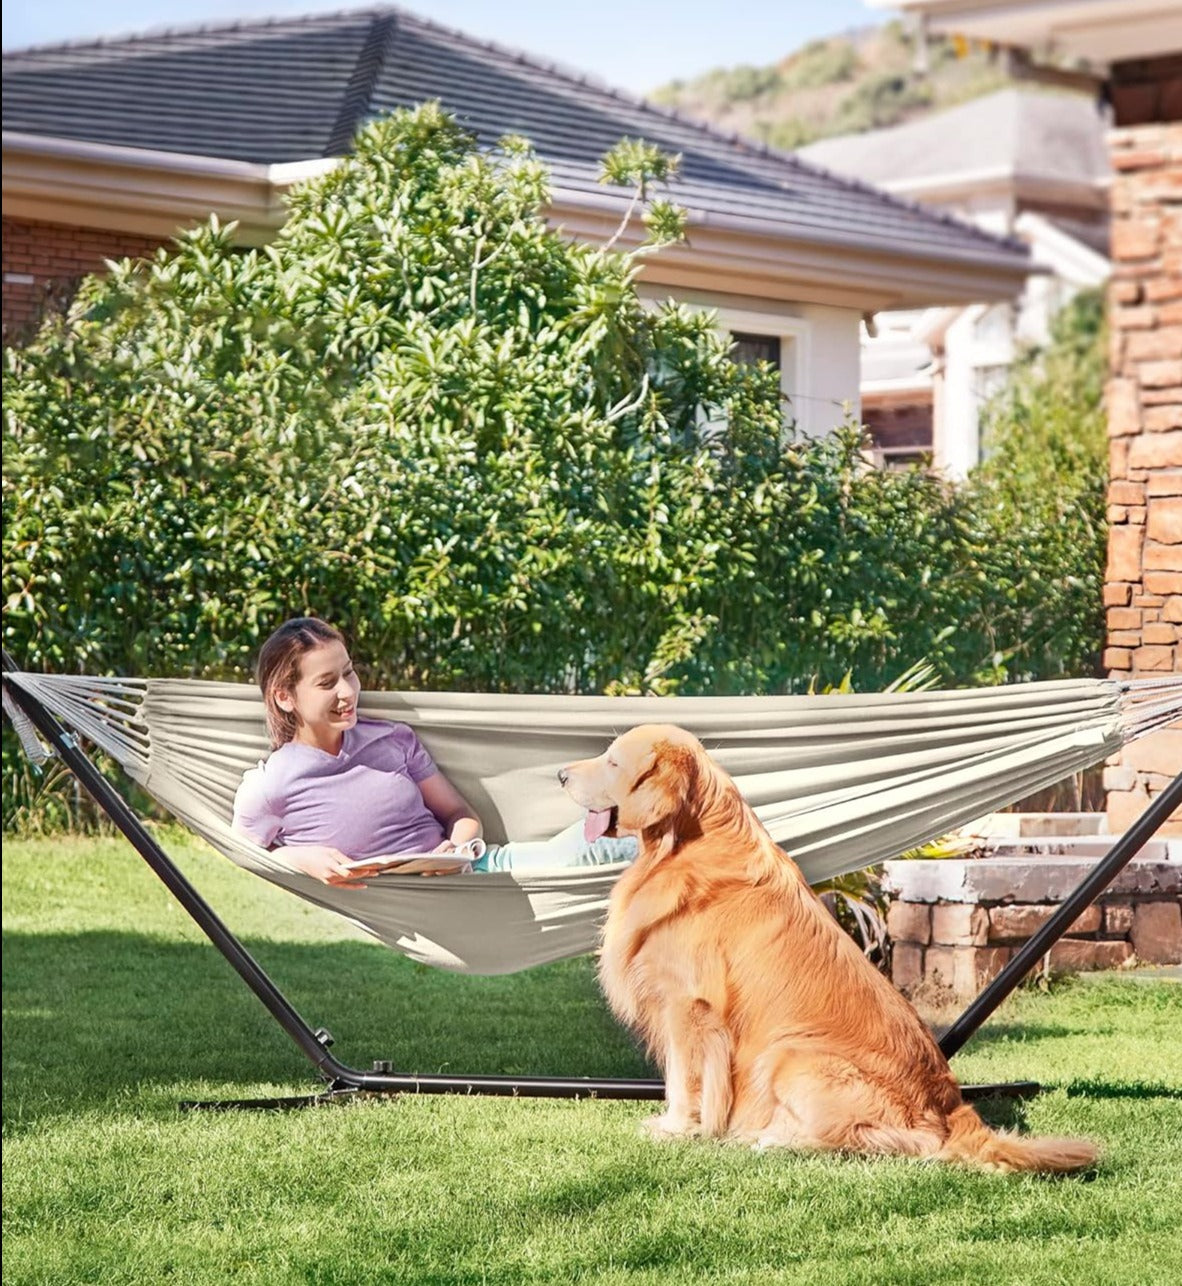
<point>115,1008</point>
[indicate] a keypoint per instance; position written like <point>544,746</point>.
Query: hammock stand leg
<point>346,1083</point>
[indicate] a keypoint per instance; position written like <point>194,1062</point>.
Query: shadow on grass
<point>1120,1089</point>
<point>1004,1113</point>
<point>999,1031</point>
<point>90,1017</point>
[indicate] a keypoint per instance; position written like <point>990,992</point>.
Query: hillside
<point>861,80</point>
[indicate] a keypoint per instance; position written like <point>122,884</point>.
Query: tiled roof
<point>296,89</point>
<point>1021,132</point>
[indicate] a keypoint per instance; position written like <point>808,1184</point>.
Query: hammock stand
<point>344,1083</point>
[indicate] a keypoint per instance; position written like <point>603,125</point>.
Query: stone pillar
<point>1143,583</point>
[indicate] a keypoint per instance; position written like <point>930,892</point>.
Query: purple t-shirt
<point>364,801</point>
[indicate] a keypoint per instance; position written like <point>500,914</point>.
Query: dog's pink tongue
<point>596,824</point>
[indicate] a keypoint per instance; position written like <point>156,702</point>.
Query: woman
<point>337,790</point>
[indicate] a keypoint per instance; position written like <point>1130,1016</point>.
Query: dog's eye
<point>611,763</point>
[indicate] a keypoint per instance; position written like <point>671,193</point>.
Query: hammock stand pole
<point>1077,901</point>
<point>344,1082</point>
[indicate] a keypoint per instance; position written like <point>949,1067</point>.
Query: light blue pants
<point>567,848</point>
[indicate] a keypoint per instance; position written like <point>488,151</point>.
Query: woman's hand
<point>322,863</point>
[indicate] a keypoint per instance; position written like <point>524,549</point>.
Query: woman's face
<point>324,699</point>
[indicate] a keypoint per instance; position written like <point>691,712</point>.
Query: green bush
<point>1039,502</point>
<point>424,414</point>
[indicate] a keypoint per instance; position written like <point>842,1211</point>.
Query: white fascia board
<point>965,184</point>
<point>130,189</point>
<point>288,173</point>
<point>155,193</point>
<point>840,272</point>
<point>773,230</point>
<point>1060,252</point>
<point>139,158</point>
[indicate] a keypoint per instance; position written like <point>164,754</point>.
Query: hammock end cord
<point>105,712</point>
<point>37,751</point>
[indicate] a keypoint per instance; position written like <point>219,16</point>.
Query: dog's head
<point>648,783</point>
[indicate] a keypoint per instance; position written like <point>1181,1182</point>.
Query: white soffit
<point>1102,31</point>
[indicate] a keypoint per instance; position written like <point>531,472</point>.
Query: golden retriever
<point>767,1021</point>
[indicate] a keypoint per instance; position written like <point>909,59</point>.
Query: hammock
<point>841,781</point>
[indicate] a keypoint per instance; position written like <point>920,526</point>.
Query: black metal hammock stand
<point>344,1083</point>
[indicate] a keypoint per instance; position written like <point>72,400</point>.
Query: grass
<point>116,1009</point>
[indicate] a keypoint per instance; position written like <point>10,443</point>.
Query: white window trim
<point>794,372</point>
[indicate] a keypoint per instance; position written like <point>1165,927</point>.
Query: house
<point>1135,48</point>
<point>1024,163</point>
<point>110,146</point>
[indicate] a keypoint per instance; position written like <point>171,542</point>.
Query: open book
<point>420,863</point>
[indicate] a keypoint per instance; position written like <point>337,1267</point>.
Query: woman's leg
<point>567,848</point>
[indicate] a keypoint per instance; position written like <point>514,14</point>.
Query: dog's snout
<point>563,776</point>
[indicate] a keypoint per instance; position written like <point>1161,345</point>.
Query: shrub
<point>1039,502</point>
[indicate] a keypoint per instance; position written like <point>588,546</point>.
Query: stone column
<point>1143,589</point>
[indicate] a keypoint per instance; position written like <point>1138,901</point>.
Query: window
<point>751,348</point>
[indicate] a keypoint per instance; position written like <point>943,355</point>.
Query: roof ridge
<point>358,92</point>
<point>583,78</point>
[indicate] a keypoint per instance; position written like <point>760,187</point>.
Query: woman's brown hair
<point>279,668</point>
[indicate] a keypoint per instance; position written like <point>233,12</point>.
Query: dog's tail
<point>971,1140</point>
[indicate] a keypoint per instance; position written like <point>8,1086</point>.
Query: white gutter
<point>153,193</point>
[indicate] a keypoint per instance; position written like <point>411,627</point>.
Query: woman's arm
<point>451,809</point>
<point>322,862</point>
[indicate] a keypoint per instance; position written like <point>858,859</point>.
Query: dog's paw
<point>768,1139</point>
<point>666,1126</point>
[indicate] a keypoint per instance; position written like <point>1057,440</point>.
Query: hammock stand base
<point>347,1084</point>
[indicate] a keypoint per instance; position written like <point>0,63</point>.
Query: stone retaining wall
<point>955,924</point>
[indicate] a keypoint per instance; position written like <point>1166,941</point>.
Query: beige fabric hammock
<point>841,781</point>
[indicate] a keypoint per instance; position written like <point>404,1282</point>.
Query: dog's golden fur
<point>768,1022</point>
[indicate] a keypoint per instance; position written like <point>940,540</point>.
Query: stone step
<point>1076,846</point>
<point>1023,878</point>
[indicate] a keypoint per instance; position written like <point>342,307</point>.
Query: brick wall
<point>1143,590</point>
<point>43,263</point>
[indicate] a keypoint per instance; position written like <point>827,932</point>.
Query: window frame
<point>795,336</point>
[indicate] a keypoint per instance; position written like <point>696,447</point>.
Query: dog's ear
<point>680,778</point>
